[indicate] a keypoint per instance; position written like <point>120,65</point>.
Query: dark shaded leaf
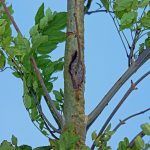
<point>39,14</point>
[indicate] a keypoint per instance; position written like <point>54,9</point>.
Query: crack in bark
<point>76,70</point>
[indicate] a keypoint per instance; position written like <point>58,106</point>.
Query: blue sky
<point>105,62</point>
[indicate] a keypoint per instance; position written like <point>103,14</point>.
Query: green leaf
<point>27,101</point>
<point>147,146</point>
<point>145,20</point>
<point>43,60</point>
<point>57,105</point>
<point>34,114</point>
<point>43,148</point>
<point>61,92</point>
<point>94,135</point>
<point>45,132</point>
<point>37,40</point>
<point>57,95</point>
<point>2,60</point>
<point>41,125</point>
<point>122,146</point>
<point>126,141</point>
<point>46,48</point>
<point>39,14</point>
<point>6,146</point>
<point>16,74</point>
<point>128,19</point>
<point>147,42</point>
<point>56,36</point>
<point>14,140</point>
<point>6,42</point>
<point>49,86</point>
<point>25,147</point>
<point>43,22</point>
<point>68,140</point>
<point>21,43</point>
<point>2,26</point>
<point>49,14</point>
<point>143,3</point>
<point>106,4</point>
<point>139,142</point>
<point>122,5</point>
<point>58,66</point>
<point>59,22</point>
<point>34,30</point>
<point>146,128</point>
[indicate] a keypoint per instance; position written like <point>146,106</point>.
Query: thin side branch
<point>132,87</point>
<point>10,17</point>
<point>46,121</point>
<point>88,5</point>
<point>113,18</point>
<point>132,48</point>
<point>97,11</point>
<point>53,109</point>
<point>122,122</point>
<point>48,99</point>
<point>126,95</point>
<point>107,98</point>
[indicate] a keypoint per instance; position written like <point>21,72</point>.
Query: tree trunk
<point>74,71</point>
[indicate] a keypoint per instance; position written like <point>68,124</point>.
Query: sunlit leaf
<point>139,142</point>
<point>146,128</point>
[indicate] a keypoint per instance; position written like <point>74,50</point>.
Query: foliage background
<point>105,62</point>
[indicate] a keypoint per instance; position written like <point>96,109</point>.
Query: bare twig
<point>131,116</point>
<point>1,70</point>
<point>141,134</point>
<point>120,35</point>
<point>132,87</point>
<point>97,11</point>
<point>53,109</point>
<point>123,34</point>
<point>107,98</point>
<point>88,5</point>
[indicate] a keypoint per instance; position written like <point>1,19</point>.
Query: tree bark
<point>74,71</point>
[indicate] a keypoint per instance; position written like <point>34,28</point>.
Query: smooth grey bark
<point>74,71</point>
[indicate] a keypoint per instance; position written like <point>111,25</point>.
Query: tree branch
<point>130,117</point>
<point>48,99</point>
<point>118,31</point>
<point>88,5</point>
<point>107,98</point>
<point>55,113</point>
<point>141,134</point>
<point>46,121</point>
<point>132,48</point>
<point>97,11</point>
<point>132,87</point>
<point>10,17</point>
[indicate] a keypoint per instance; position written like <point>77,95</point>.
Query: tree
<point>30,61</point>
